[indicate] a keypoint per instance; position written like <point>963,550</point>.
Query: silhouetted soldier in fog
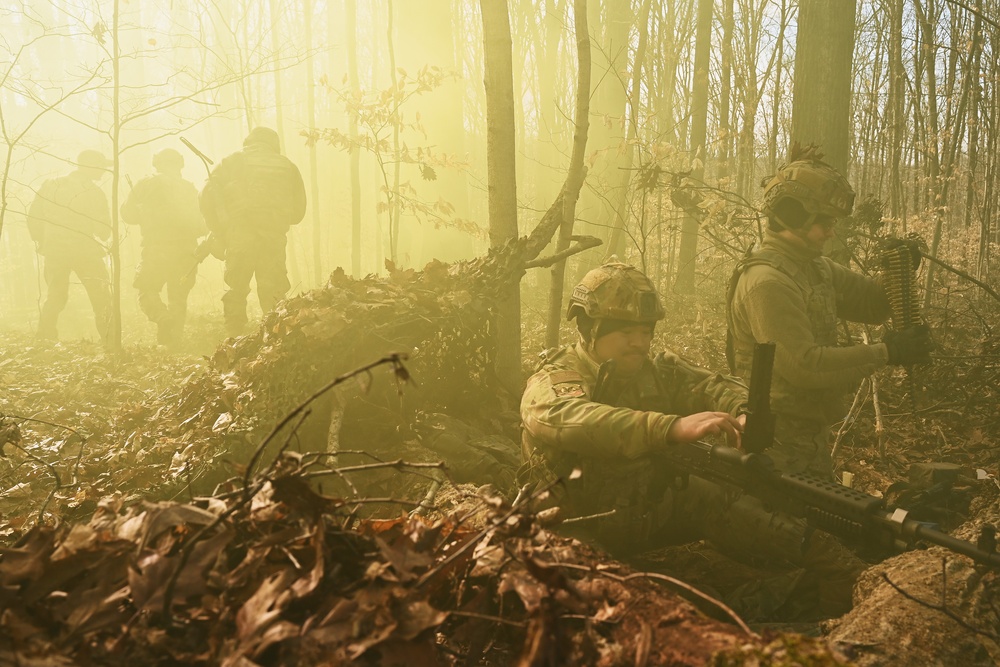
<point>67,221</point>
<point>250,201</point>
<point>165,206</point>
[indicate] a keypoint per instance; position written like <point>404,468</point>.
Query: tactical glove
<point>913,245</point>
<point>909,346</point>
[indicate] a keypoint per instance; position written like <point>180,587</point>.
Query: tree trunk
<point>974,114</point>
<point>113,329</point>
<point>394,204</point>
<point>307,13</point>
<point>616,245</point>
<point>898,120</point>
<point>772,141</point>
<point>351,28</point>
<point>294,266</point>
<point>926,25</point>
<point>576,164</point>
<point>500,176</point>
<point>725,96</point>
<point>821,102</point>
<point>688,252</point>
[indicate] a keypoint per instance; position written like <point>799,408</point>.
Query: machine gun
<point>858,519</point>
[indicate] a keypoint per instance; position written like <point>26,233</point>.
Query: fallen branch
<point>582,243</point>
<point>958,272</point>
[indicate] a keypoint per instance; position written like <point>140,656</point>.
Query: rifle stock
<point>851,515</point>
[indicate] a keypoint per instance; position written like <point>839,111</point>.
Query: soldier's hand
<point>697,426</point>
<point>909,346</point>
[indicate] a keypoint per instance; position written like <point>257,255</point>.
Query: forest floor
<point>137,528</point>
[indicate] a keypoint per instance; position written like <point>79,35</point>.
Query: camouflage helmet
<point>616,291</point>
<point>821,189</point>
<point>93,159</point>
<point>263,136</point>
<point>168,160</point>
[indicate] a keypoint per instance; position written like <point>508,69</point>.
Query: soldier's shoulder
<point>559,371</point>
<point>766,266</point>
<point>558,358</point>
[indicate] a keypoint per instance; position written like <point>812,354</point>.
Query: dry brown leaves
<point>280,574</point>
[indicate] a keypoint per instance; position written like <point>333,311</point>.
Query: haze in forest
<point>381,104</point>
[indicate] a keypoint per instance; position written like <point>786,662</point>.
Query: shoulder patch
<point>568,390</point>
<point>567,383</point>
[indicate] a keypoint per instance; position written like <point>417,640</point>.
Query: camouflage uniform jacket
<point>255,189</point>
<point>612,431</point>
<point>69,216</point>
<point>166,209</point>
<point>793,296</point>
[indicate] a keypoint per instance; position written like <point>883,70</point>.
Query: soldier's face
<point>628,347</point>
<point>820,232</point>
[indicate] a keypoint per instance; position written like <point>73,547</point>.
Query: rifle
<point>758,432</point>
<point>213,244</point>
<point>851,515</point>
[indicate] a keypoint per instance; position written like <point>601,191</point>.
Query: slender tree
<point>824,50</point>
<point>501,178</point>
<point>688,251</point>
<point>576,165</point>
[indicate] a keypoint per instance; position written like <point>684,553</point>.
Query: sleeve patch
<point>561,376</point>
<point>568,390</point>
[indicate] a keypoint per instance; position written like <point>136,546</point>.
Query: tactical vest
<point>167,209</point>
<point>263,192</point>
<point>815,283</point>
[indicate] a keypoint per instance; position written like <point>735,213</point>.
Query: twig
<point>673,582</point>
<point>941,608</point>
<point>589,517</point>
<point>42,421</point>
<point>188,548</point>
<point>487,617</point>
<point>879,430</point>
<point>397,363</point>
<point>52,471</point>
<point>848,422</point>
<point>460,551</point>
<point>958,272</point>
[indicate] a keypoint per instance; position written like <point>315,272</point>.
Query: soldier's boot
<point>234,307</point>
<point>168,333</point>
<point>47,325</point>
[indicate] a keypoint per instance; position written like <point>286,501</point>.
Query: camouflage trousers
<point>634,508</point>
<point>253,255</point>
<point>90,268</point>
<point>173,268</point>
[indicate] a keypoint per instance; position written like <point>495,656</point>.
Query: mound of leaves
<point>161,426</point>
<point>277,573</point>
